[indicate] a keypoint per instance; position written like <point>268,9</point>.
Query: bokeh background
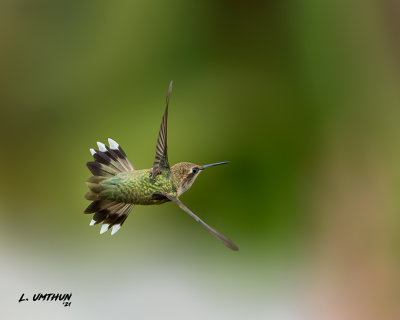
<point>302,97</point>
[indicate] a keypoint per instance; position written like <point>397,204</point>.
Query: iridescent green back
<point>136,187</point>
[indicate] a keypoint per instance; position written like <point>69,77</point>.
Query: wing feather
<point>214,232</point>
<point>161,158</point>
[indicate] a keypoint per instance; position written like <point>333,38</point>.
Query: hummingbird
<point>116,186</point>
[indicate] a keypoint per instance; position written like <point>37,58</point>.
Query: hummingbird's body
<point>136,187</point>
<point>116,186</point>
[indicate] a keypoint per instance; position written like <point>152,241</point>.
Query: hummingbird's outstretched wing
<point>161,159</point>
<point>214,232</point>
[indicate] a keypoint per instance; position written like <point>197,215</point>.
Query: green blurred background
<point>302,97</point>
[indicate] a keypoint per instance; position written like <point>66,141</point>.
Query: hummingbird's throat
<point>187,183</point>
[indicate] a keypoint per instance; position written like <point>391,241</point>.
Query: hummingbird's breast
<point>136,187</point>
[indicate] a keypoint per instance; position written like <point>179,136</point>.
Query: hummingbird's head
<point>185,173</point>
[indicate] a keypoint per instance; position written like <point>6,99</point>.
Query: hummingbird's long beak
<point>213,164</point>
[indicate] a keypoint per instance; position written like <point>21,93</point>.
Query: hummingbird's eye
<point>194,170</point>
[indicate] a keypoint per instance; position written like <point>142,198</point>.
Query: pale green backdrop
<point>301,97</point>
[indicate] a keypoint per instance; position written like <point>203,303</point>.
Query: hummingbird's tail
<point>109,161</point>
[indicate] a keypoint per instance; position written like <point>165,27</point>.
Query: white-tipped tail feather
<point>92,151</point>
<point>104,228</point>
<point>115,228</point>
<point>113,144</point>
<point>102,147</point>
<point>92,223</point>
